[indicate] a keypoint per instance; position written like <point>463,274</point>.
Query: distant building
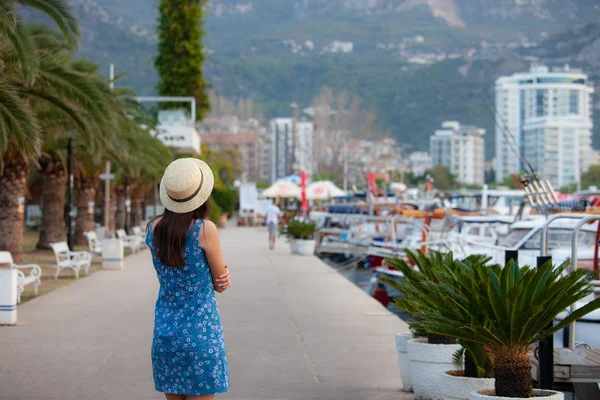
<point>304,151</point>
<point>252,147</point>
<point>549,115</point>
<point>339,47</point>
<point>291,147</point>
<point>378,156</point>
<point>420,162</point>
<point>461,149</point>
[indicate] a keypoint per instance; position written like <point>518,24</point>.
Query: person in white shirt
<point>273,214</point>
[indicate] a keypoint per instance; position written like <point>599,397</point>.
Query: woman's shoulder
<point>208,226</point>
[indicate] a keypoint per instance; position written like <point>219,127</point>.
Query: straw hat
<point>186,185</point>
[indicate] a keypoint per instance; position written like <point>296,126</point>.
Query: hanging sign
<point>91,206</point>
<point>176,130</point>
<point>21,205</point>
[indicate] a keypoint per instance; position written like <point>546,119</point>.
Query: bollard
<point>112,254</point>
<point>511,255</point>
<point>545,376</point>
<point>8,296</point>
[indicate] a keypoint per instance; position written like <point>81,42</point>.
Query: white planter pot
<point>540,394</point>
<point>456,387</point>
<point>403,360</point>
<point>8,296</point>
<point>113,254</point>
<point>305,247</point>
<point>293,246</point>
<point>427,363</point>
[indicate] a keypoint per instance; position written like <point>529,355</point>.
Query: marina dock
<point>294,329</point>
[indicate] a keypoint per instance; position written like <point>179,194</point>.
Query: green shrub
<point>299,229</point>
<point>215,211</point>
<point>225,198</point>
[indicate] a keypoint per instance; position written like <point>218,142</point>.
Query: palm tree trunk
<point>13,185</point>
<point>137,199</point>
<point>120,214</point>
<point>54,182</point>
<point>86,194</point>
<point>512,370</point>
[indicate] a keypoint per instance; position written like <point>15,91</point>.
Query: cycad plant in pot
<point>302,232</point>
<point>506,309</point>
<point>453,383</point>
<point>431,356</point>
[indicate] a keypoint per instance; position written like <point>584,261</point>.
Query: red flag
<point>372,184</point>
<point>303,178</point>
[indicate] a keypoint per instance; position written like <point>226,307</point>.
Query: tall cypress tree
<point>180,51</point>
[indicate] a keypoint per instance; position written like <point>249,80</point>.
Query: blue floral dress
<point>188,348</point>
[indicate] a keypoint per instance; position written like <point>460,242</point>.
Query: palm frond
<point>62,15</point>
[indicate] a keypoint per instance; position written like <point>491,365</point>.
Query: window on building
<point>540,103</point>
<point>573,102</point>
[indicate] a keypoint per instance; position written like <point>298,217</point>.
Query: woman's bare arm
<point>211,244</point>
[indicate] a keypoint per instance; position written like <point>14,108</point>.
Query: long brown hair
<point>171,231</point>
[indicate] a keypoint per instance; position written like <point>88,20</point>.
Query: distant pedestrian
<point>188,349</point>
<point>273,214</point>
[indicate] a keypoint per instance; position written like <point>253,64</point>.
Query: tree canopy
<point>181,53</point>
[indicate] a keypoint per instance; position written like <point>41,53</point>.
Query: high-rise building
<point>420,162</point>
<point>548,116</point>
<point>292,147</point>
<point>461,149</point>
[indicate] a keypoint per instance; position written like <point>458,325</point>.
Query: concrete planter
<point>427,363</point>
<point>113,254</point>
<point>293,246</point>
<point>458,387</point>
<point>305,247</point>
<point>8,296</point>
<point>540,394</point>
<point>403,360</point>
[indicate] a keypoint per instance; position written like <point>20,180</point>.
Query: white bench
<point>131,242</point>
<point>33,278</point>
<point>73,260</point>
<point>94,243</point>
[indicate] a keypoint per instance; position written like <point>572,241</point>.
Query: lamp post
<point>70,193</point>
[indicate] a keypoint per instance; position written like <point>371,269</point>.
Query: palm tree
<point>506,309</point>
<point>71,103</point>
<point>136,155</point>
<point>20,140</point>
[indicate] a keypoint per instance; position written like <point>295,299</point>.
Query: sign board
<point>91,206</point>
<point>248,198</point>
<point>176,130</point>
<point>107,177</point>
<point>21,205</point>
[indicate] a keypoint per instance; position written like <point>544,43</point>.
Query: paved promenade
<point>294,328</point>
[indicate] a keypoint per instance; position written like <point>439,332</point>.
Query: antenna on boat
<point>539,192</point>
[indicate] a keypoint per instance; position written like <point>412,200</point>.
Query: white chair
<point>94,243</point>
<point>131,242</point>
<point>73,260</point>
<point>33,278</point>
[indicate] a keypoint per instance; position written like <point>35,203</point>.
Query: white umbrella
<point>323,190</point>
<point>283,189</point>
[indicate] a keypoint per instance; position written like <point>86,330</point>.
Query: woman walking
<point>188,348</point>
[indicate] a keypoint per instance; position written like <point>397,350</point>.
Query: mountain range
<point>415,63</point>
